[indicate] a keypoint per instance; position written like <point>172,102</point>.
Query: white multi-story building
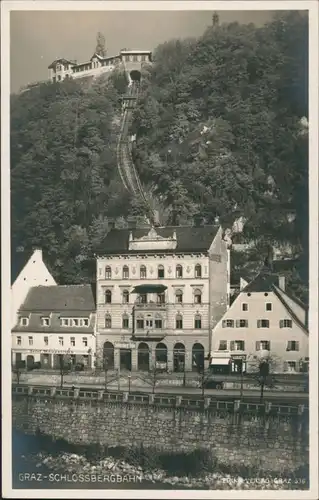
<point>159,294</point>
<point>55,321</point>
<point>129,60</point>
<point>265,317</point>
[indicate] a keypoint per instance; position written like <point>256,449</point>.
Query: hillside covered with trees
<point>221,130</point>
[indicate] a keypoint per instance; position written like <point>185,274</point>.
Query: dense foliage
<point>221,131</point>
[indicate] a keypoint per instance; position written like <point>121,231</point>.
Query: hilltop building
<point>129,60</point>
<point>55,321</point>
<point>159,294</point>
<point>265,316</point>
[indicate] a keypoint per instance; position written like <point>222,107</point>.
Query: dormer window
<point>23,321</point>
<point>45,321</point>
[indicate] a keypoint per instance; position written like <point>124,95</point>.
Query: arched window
<point>179,271</point>
<point>125,297</point>
<point>179,357</point>
<point>198,322</point>
<point>143,272</point>
<point>197,296</point>
<point>198,357</point>
<point>108,321</point>
<point>108,356</point>
<point>179,296</point>
<point>160,272</point>
<point>108,297</point>
<point>198,271</point>
<point>179,322</point>
<point>125,272</point>
<point>143,357</point>
<point>161,356</point>
<point>125,321</point>
<point>108,273</point>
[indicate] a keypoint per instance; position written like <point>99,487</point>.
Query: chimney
<point>282,283</point>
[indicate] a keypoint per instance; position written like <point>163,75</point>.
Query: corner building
<point>159,294</point>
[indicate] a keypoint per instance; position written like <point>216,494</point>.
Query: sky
<point>39,37</point>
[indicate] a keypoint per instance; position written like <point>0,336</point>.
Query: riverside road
<point>224,394</point>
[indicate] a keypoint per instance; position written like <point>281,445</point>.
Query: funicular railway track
<point>126,167</point>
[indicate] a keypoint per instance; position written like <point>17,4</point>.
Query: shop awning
<point>220,361</point>
<point>149,288</point>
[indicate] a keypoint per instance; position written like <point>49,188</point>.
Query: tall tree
<point>100,48</point>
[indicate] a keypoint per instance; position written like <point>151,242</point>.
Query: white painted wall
<point>34,273</point>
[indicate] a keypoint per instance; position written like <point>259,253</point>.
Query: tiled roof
<point>263,282</point>
<point>35,325</point>
<point>284,303</point>
<point>62,298</point>
<point>189,239</point>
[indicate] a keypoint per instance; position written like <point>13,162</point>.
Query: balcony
<point>148,334</point>
<point>150,306</point>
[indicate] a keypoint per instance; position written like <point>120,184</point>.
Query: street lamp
<point>129,384</point>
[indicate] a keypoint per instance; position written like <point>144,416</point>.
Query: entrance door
<point>30,360</point>
<point>126,359</point>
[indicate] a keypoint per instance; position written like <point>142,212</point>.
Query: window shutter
<point>258,323</point>
<point>243,345</point>
<point>297,346</point>
<point>281,323</point>
<point>237,323</point>
<point>269,344</point>
<point>232,345</point>
<point>258,345</point>
<point>285,366</point>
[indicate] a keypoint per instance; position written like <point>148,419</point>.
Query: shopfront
<point>220,363</point>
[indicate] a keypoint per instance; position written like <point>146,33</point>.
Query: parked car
<point>213,384</point>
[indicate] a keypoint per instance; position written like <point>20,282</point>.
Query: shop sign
<point>124,345</point>
<point>238,356</point>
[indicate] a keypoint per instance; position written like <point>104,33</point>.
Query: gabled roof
<point>189,239</point>
<point>280,296</point>
<point>263,282</point>
<point>62,298</point>
<point>18,261</point>
<point>60,61</point>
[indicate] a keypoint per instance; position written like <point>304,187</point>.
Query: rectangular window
<point>143,57</point>
<point>75,322</point>
<point>45,321</point>
<point>24,321</point>
<point>241,323</point>
<point>30,340</point>
<point>285,323</point>
<point>143,298</point>
<point>160,272</point>
<point>222,345</point>
<point>19,341</point>
<point>237,345</point>
<point>179,324</point>
<point>149,323</point>
<point>72,341</point>
<point>158,323</point>
<point>244,307</point>
<point>292,345</point>
<point>135,58</point>
<point>198,324</point>
<point>263,323</point>
<point>263,345</point>
<point>64,321</point>
<point>61,341</point>
<point>85,322</point>
<point>268,306</point>
<point>140,324</point>
<point>46,340</point>
<point>228,323</point>
<point>85,341</point>
<point>161,298</point>
<point>125,323</point>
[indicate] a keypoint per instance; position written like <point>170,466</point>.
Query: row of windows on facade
<point>160,297</point>
<point>157,322</point>
<point>261,323</point>
<point>239,345</point>
<point>160,272</point>
<point>108,62</point>
<point>84,341</point>
<point>46,321</point>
